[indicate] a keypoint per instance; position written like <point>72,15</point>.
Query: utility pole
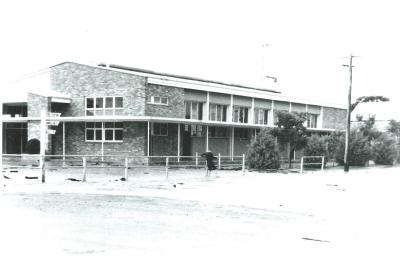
<point>1,144</point>
<point>346,145</point>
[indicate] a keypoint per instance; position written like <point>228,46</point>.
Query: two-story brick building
<point>111,109</point>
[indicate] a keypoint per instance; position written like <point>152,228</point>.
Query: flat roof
<point>184,77</point>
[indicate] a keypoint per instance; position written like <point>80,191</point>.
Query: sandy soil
<point>316,217</point>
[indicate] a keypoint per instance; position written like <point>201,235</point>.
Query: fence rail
<point>123,162</point>
<point>313,158</point>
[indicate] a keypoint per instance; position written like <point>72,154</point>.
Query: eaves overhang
<point>71,119</point>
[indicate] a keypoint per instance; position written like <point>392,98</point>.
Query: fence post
<point>206,168</point>
<point>166,167</point>
<point>323,161</point>
<point>301,165</point>
<point>126,168</point>
<point>197,160</point>
<point>243,163</point>
<point>42,168</point>
<point>219,161</point>
<point>84,168</point>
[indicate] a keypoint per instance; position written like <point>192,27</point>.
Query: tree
<point>351,107</point>
<point>262,153</point>
<point>316,146</point>
<point>394,129</point>
<point>359,149</point>
<point>290,130</point>
<point>384,150</point>
<point>368,128</point>
<point>333,142</point>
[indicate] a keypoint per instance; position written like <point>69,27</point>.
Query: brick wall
<point>334,118</point>
<point>166,145</point>
<point>80,81</point>
<point>175,107</point>
<point>134,141</point>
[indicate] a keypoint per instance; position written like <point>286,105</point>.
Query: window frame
<point>159,132</point>
<point>198,130</point>
<point>214,109</point>
<point>103,130</point>
<point>242,114</point>
<point>261,116</point>
<point>152,100</point>
<point>239,131</point>
<point>189,107</point>
<point>312,120</point>
<point>215,132</point>
<point>104,109</point>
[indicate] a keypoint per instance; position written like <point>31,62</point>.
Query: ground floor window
<point>159,129</point>
<point>196,130</point>
<point>104,131</point>
<point>242,133</point>
<point>15,138</point>
<point>217,132</point>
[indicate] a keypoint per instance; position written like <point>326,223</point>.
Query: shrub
<point>33,146</point>
<point>359,149</point>
<point>316,146</point>
<point>384,150</point>
<point>262,153</point>
<point>333,142</point>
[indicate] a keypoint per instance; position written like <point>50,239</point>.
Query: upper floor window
<point>159,129</point>
<point>106,105</point>
<point>312,120</point>
<point>260,116</point>
<point>217,112</point>
<point>104,131</point>
<point>194,110</point>
<point>159,100</point>
<point>240,114</point>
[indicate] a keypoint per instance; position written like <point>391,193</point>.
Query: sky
<point>302,43</point>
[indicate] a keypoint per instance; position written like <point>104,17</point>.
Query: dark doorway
<point>185,140</point>
<point>16,137</point>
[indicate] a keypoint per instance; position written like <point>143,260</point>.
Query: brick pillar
<point>36,103</point>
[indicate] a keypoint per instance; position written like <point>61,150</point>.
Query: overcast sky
<point>302,43</point>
